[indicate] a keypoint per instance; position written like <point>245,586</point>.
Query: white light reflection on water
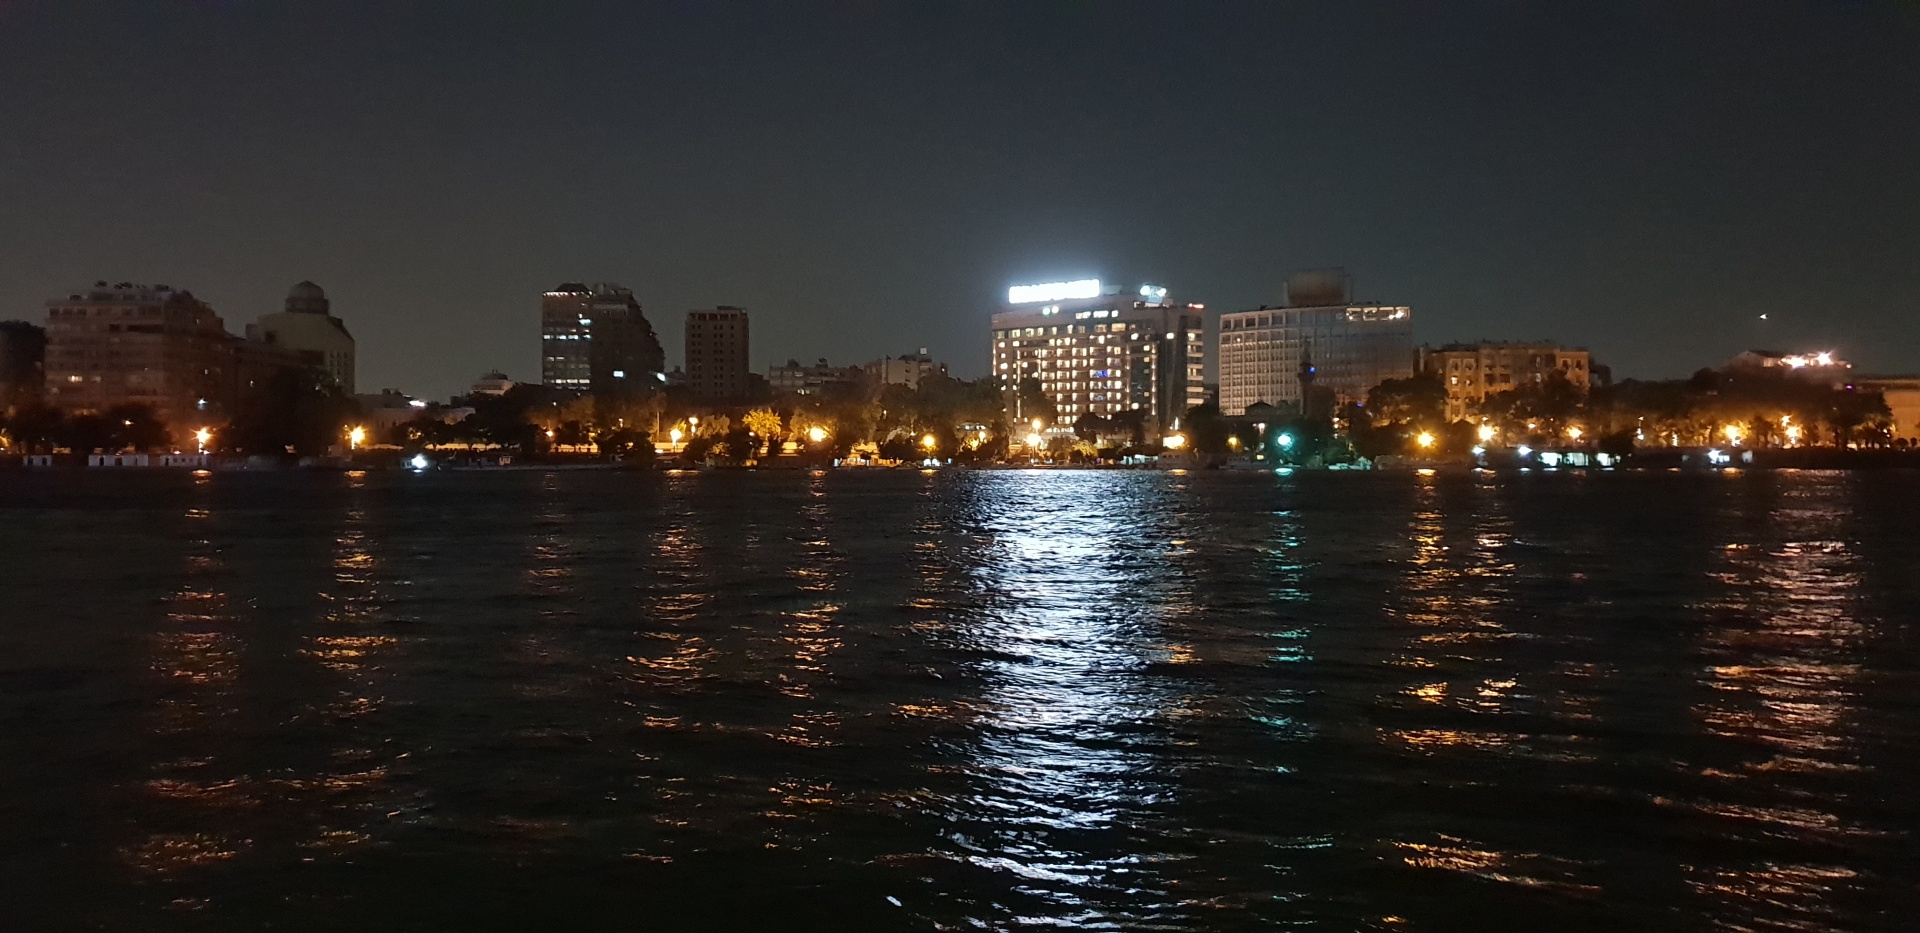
<point>1782,653</point>
<point>1065,632</point>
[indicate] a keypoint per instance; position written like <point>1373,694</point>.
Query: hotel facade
<point>1096,350</point>
<point>1321,339</point>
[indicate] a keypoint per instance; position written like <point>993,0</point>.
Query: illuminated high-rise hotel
<point>1102,351</point>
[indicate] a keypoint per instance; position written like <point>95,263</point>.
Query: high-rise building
<point>717,353</point>
<point>134,343</point>
<point>1473,371</point>
<point>307,325</point>
<point>1101,351</point>
<point>907,369</point>
<point>1320,339</point>
<point>596,339</point>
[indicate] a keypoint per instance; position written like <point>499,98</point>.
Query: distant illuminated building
<point>718,364</point>
<point>1818,366</point>
<point>596,339</point>
<point>1320,338</point>
<point>1473,371</point>
<point>307,325</point>
<point>1102,351</point>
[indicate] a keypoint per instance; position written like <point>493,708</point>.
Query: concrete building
<point>381,411</point>
<point>134,343</point>
<point>1103,351</point>
<point>1473,371</point>
<point>23,363</point>
<point>1903,399</point>
<point>493,383</point>
<point>1320,339</point>
<point>597,339</point>
<point>307,325</point>
<point>907,369</point>
<point>815,379</point>
<point>717,353</point>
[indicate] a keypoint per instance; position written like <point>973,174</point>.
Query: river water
<point>962,700</point>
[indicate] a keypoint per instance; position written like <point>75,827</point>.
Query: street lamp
<point>355,437</point>
<point>1487,432</point>
<point>929,442</point>
<point>674,435</point>
<point>817,434</point>
<point>1425,440</point>
<point>1574,433</point>
<point>1174,441</point>
<point>202,437</point>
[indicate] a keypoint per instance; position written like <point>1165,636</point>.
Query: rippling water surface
<point>987,700</point>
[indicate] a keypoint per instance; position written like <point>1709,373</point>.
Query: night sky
<point>867,178</point>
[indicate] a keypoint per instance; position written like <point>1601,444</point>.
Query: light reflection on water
<point>1003,699</point>
<point>1066,629</point>
<point>1784,648</point>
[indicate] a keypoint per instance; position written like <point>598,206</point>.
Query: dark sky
<point>866,178</point>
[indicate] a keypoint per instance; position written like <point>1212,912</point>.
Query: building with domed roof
<point>308,326</point>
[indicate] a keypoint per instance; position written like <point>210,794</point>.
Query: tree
<point>898,447</point>
<point>765,425</point>
<point>84,434</point>
<point>1537,410</point>
<point>297,411</point>
<point>628,444</point>
<point>36,427</point>
<point>136,426</point>
<point>1206,429</point>
<point>1419,400</point>
<point>1035,405</point>
<point>1091,427</point>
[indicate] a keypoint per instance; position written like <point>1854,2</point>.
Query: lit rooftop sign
<point>1053,291</point>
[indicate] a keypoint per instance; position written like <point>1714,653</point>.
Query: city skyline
<point>1642,181</point>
